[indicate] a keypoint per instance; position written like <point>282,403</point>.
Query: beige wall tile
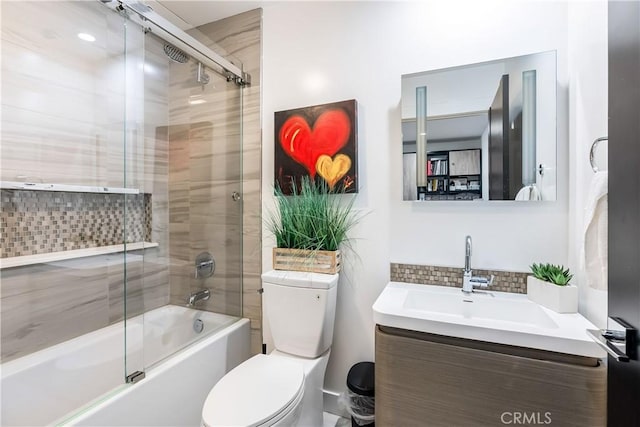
<point>63,111</point>
<point>214,167</point>
<point>241,36</point>
<point>37,313</point>
<point>188,158</point>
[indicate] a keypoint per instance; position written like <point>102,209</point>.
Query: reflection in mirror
<point>490,131</point>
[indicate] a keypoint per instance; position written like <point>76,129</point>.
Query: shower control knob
<point>235,196</point>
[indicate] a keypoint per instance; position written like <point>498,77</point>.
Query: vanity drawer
<point>420,382</point>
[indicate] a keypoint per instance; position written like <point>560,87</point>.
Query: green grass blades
<point>313,217</point>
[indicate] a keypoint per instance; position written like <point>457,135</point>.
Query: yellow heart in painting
<point>333,169</point>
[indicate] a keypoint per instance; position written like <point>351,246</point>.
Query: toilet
<point>283,388</point>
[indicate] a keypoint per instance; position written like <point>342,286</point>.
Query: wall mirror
<point>484,131</point>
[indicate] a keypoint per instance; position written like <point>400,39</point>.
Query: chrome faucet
<point>202,295</point>
<point>469,281</point>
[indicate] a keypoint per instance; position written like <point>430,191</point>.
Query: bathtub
<point>80,381</point>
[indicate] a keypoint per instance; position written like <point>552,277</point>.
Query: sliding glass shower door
<point>65,192</point>
<point>193,120</point>
<point>120,162</point>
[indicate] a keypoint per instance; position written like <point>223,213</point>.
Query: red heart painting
<point>330,133</point>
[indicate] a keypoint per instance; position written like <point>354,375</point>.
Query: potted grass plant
<point>310,226</point>
<point>550,287</point>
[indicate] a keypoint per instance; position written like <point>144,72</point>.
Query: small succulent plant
<point>555,274</point>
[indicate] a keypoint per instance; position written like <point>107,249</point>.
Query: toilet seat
<point>258,392</point>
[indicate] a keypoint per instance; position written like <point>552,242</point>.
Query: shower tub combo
<point>105,157</point>
<point>51,385</point>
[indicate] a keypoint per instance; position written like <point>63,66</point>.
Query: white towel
<point>595,234</point>
<point>529,192</point>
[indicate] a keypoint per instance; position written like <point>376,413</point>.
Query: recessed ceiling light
<point>86,37</point>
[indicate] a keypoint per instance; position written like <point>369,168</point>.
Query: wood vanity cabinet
<point>430,380</point>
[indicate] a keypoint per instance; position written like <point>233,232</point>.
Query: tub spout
<point>202,295</point>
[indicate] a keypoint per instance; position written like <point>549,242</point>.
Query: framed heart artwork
<point>320,142</point>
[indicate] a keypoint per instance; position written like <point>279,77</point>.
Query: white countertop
<point>497,317</point>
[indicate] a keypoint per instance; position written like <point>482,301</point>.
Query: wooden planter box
<point>328,262</point>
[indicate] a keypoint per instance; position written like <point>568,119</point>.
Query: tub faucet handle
<point>205,265</point>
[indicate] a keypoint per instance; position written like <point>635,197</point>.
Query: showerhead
<point>178,55</point>
<point>175,54</point>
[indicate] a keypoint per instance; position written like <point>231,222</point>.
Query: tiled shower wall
<point>45,304</point>
<point>62,122</point>
<point>63,99</point>
<point>240,36</point>
<point>69,137</point>
<point>38,222</point>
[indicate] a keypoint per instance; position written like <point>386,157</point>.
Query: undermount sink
<point>498,317</point>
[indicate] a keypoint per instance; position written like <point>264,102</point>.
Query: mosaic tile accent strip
<point>504,281</point>
<point>37,222</point>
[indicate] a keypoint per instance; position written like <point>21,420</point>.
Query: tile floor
<point>331,420</point>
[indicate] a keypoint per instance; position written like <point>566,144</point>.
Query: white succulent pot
<point>561,299</point>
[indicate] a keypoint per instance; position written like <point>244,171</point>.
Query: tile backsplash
<point>36,222</point>
<point>504,281</point>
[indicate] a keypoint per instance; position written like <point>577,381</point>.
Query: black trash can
<point>361,382</point>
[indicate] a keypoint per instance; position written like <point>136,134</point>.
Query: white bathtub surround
<point>90,369</point>
<point>561,299</point>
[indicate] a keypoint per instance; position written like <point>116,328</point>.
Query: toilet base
<point>312,401</point>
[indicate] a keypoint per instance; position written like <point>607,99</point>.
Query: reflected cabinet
<point>452,175</point>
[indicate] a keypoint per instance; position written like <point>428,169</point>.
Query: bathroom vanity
<point>445,358</point>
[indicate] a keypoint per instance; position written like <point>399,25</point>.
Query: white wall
<point>318,52</point>
<point>315,53</point>
<point>588,102</point>
<point>507,235</point>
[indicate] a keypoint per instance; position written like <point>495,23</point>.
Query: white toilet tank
<point>300,308</point>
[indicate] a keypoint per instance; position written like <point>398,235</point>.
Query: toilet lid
<point>253,392</point>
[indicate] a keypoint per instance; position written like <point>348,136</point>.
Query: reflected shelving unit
<point>453,175</point>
